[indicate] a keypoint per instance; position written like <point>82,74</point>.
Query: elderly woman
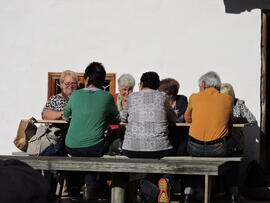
<point>241,114</point>
<point>126,83</point>
<point>53,108</point>
<point>91,109</point>
<point>178,102</point>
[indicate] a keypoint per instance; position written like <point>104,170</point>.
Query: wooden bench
<point>206,166</point>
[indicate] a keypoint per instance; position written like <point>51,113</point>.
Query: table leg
<point>207,188</point>
<point>118,188</point>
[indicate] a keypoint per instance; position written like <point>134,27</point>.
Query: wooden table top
<point>238,125</point>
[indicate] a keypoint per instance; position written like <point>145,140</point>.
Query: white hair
<point>126,80</point>
<point>211,79</point>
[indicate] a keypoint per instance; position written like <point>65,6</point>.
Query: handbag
<point>45,137</point>
<point>25,132</point>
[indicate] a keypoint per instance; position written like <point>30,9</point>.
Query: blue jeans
<point>230,177</point>
<point>147,185</point>
<point>147,154</point>
<point>218,149</point>
<point>96,150</point>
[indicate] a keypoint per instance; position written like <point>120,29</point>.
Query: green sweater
<point>90,112</point>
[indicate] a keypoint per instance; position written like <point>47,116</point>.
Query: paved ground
<point>216,201</point>
<point>243,200</point>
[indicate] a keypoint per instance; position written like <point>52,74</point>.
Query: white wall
<point>177,38</point>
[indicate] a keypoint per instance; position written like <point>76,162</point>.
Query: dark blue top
<point>181,105</point>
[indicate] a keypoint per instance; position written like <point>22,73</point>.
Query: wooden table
<point>206,166</point>
<point>238,125</point>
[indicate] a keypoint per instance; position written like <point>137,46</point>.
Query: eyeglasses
<point>73,84</point>
<point>105,87</point>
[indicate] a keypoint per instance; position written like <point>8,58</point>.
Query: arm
<point>188,113</point>
<point>48,114</point>
<point>246,114</point>
<point>68,110</point>
<point>182,106</point>
<point>52,110</point>
<point>124,114</point>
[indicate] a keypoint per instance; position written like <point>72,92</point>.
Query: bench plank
<point>172,165</point>
<point>207,166</point>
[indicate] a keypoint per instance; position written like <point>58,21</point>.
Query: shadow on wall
<point>251,151</point>
<point>239,6</point>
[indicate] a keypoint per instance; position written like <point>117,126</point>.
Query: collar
<point>210,90</point>
<point>92,89</point>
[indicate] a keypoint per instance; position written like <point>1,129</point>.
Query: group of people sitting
<point>149,114</point>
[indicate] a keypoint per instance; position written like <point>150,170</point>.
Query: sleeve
<point>113,117</point>
<point>246,114</point>
<point>124,114</point>
<point>188,113</point>
<point>68,109</point>
<point>50,104</point>
<point>182,108</point>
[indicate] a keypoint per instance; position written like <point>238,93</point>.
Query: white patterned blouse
<point>148,115</point>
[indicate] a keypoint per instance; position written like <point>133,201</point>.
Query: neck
<point>91,86</point>
<point>65,95</point>
<point>146,88</point>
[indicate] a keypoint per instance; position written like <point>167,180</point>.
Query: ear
<point>141,86</point>
<point>86,82</point>
<point>202,86</point>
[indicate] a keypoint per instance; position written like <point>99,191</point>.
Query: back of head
<point>150,80</point>
<point>211,79</point>
<point>170,86</point>
<point>126,80</point>
<point>21,183</point>
<point>95,74</point>
<point>227,88</point>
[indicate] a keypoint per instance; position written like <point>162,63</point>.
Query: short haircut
<point>126,80</point>
<point>227,88</point>
<point>68,72</point>
<point>150,80</point>
<point>211,79</point>
<point>95,72</point>
<point>170,86</point>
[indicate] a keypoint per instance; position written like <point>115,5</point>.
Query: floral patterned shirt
<point>241,114</point>
<point>55,103</point>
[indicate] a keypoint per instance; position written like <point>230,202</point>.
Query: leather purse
<point>25,132</point>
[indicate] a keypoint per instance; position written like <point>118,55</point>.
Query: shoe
<point>164,191</point>
<point>139,198</point>
<point>188,193</point>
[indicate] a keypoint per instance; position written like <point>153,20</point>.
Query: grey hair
<point>211,79</point>
<point>126,80</point>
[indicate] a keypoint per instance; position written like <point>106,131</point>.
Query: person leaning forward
<point>209,113</point>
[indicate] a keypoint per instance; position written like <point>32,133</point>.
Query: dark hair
<point>150,80</point>
<point>95,72</point>
<point>170,86</point>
